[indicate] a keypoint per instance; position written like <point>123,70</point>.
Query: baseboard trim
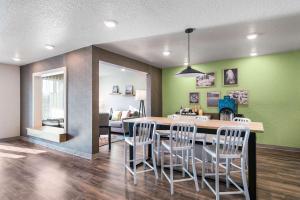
<point>10,139</point>
<point>61,149</point>
<point>275,147</point>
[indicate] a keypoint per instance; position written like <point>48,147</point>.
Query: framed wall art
<point>230,77</point>
<point>129,90</point>
<point>213,99</point>
<point>240,96</point>
<point>194,97</point>
<point>206,80</point>
<point>115,89</point>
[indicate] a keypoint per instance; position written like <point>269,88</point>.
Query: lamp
<point>140,95</point>
<point>189,71</point>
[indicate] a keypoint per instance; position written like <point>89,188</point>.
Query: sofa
<point>117,118</point>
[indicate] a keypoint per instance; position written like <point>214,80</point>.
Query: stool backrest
<point>202,118</point>
<point>234,137</point>
<point>241,119</point>
<point>174,116</point>
<point>182,134</point>
<point>143,131</point>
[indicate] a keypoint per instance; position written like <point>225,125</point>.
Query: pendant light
<point>189,71</point>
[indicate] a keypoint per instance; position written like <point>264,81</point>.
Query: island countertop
<point>209,124</point>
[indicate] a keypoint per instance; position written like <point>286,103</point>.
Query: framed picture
<point>194,97</point>
<point>115,89</point>
<point>240,96</point>
<point>129,90</point>
<point>206,80</point>
<point>213,99</point>
<point>230,76</point>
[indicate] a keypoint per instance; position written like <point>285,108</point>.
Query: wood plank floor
<point>31,172</point>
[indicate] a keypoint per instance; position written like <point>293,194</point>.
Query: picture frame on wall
<point>194,97</point>
<point>240,96</point>
<point>115,89</point>
<point>213,99</point>
<point>129,90</point>
<point>206,80</point>
<point>230,77</point>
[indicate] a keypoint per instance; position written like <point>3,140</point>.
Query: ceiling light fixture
<point>252,36</point>
<point>166,53</point>
<point>253,54</point>
<point>110,23</point>
<point>16,59</point>
<point>189,71</point>
<point>49,46</point>
<point>123,70</point>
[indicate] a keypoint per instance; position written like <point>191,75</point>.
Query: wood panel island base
<point>210,127</point>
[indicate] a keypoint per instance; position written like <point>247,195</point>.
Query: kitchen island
<point>210,127</point>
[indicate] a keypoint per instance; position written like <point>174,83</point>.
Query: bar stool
<point>200,137</point>
<point>234,137</point>
<point>158,137</point>
<point>142,136</point>
<point>182,139</point>
<point>242,121</point>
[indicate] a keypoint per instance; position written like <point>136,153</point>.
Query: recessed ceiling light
<point>253,54</point>
<point>166,53</point>
<point>123,70</point>
<point>110,23</point>
<point>49,46</point>
<point>252,36</point>
<point>16,59</point>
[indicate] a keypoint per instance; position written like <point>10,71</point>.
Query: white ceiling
<point>109,69</point>
<point>216,43</point>
<point>25,26</point>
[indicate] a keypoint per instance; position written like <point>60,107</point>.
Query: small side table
<point>109,135</point>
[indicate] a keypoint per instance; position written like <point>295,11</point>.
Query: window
<point>53,97</point>
<point>49,98</point>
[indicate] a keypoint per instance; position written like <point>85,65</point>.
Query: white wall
<point>9,101</point>
<point>111,75</point>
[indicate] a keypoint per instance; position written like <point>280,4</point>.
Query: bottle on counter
<point>200,111</point>
<point>180,111</point>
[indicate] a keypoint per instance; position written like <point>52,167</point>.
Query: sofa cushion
<point>117,124</point>
<point>116,115</point>
<point>125,114</point>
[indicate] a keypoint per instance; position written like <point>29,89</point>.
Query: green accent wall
<point>273,84</point>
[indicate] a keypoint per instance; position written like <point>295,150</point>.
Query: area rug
<point>103,140</point>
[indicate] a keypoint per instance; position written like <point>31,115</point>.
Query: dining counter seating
<point>181,140</point>
<point>214,127</point>
<point>235,137</point>
<point>143,132</point>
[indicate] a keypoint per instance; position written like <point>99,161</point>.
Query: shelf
<point>128,95</point>
<point>48,133</point>
<point>115,93</point>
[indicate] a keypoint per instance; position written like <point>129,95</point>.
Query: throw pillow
<point>125,114</point>
<point>116,115</point>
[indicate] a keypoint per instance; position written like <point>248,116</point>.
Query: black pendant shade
<point>189,71</point>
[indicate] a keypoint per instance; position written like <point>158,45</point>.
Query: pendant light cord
<point>189,49</point>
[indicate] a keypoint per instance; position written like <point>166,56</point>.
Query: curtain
<point>53,97</point>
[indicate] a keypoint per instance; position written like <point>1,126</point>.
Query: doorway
<point>121,91</point>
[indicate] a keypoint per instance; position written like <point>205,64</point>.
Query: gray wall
<point>80,89</point>
<point>9,101</point>
<point>83,94</point>
<point>155,73</point>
